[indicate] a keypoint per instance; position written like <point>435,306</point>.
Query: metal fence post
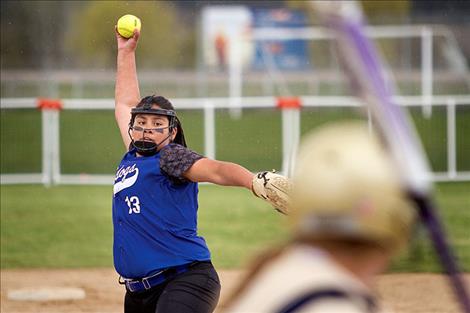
<point>209,130</point>
<point>290,131</point>
<point>451,139</point>
<point>50,140</point>
<point>426,70</point>
<point>55,140</point>
<point>46,147</point>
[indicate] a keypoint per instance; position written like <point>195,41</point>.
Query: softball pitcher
<point>163,263</point>
<point>349,218</point>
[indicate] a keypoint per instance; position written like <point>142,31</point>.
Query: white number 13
<point>134,204</point>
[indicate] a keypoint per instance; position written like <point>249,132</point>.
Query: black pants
<point>195,291</point>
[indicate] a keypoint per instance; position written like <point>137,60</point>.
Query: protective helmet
<point>345,188</point>
<point>146,107</point>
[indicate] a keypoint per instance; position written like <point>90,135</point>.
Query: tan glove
<point>273,188</point>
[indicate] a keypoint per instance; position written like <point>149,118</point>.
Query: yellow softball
<point>126,25</point>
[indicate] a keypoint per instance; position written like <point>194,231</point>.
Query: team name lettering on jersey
<point>122,181</point>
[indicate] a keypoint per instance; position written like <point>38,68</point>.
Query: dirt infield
<point>405,293</point>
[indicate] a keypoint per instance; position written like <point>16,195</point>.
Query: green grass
<point>55,227</point>
<point>20,138</point>
<point>453,201</point>
<point>456,210</point>
<point>70,226</point>
<point>90,141</point>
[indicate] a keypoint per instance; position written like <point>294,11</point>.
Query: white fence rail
<point>51,173</point>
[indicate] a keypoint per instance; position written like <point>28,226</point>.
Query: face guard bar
<point>149,148</point>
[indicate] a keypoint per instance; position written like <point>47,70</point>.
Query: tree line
<point>80,34</point>
<point>71,34</point>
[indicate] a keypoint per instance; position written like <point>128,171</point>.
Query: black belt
<point>137,285</point>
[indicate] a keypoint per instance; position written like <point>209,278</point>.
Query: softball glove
<point>273,188</point>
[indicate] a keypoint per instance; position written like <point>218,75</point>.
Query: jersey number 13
<point>134,204</point>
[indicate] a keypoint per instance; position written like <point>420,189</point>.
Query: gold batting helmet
<point>346,187</point>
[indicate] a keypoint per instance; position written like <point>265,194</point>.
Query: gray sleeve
<point>175,160</point>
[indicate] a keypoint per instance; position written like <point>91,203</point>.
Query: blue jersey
<point>155,220</point>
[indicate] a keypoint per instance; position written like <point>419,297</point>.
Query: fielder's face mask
<point>145,147</point>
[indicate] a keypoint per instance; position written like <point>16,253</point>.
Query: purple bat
<point>366,75</point>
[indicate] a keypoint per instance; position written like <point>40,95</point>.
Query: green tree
<point>387,12</point>
<point>163,44</point>
<point>31,34</point>
<point>377,12</point>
